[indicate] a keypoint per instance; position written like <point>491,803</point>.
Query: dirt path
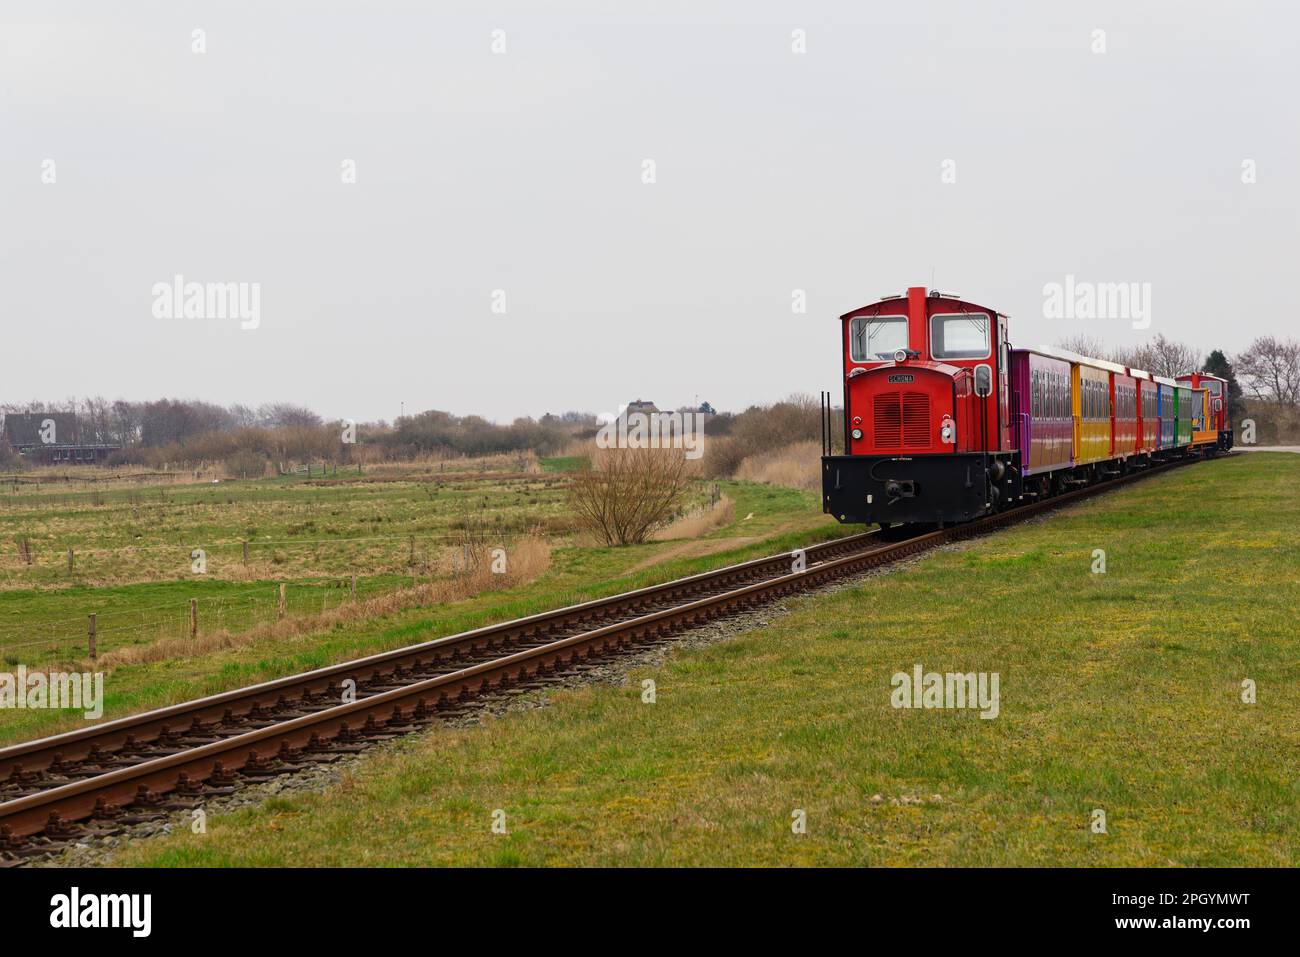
<point>693,549</point>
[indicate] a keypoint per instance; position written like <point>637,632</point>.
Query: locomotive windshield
<point>959,336</point>
<point>870,336</point>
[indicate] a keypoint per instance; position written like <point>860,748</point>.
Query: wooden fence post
<point>93,650</point>
<point>194,617</point>
<point>354,586</point>
<point>245,553</point>
<point>280,610</point>
<point>69,561</point>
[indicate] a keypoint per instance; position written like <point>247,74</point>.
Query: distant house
<point>641,405</point>
<point>52,438</point>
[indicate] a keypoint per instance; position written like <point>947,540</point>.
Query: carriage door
<point>1005,431</point>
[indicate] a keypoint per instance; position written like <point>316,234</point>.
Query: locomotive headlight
<point>856,433</point>
<point>948,431</point>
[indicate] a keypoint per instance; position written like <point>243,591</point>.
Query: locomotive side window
<point>959,336</point>
<point>870,336</point>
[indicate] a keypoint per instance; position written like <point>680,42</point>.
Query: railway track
<point>63,789</point>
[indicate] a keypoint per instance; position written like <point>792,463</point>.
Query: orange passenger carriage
<point>945,422</point>
<point>1214,424</point>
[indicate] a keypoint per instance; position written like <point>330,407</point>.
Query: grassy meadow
<point>133,548</point>
<point>1119,691</point>
<point>759,519</point>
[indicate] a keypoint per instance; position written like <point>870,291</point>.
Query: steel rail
<point>71,746</point>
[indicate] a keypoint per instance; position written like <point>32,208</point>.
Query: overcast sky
<point>523,171</point>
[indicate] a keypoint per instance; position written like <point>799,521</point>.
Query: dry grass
<point>698,523</point>
<point>794,466</point>
<point>525,560</point>
<point>524,461</point>
<point>80,478</point>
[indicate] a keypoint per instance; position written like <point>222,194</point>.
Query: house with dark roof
<point>52,438</point>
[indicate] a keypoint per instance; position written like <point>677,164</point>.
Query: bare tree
<point>1270,370</point>
<point>1159,356</point>
<point>627,493</point>
<point>95,425</point>
<point>126,419</point>
<point>1085,345</point>
<point>287,415</point>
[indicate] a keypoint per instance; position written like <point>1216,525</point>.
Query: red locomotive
<point>945,422</point>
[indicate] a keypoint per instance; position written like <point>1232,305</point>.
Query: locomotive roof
<point>951,300</point>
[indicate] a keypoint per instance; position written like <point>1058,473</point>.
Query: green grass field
<point>1119,691</point>
<point>782,519</point>
<point>133,550</point>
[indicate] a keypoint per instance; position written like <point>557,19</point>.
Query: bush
<point>628,493</point>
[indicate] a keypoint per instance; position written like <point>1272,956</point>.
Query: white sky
<point>522,171</point>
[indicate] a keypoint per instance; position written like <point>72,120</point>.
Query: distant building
<point>641,405</point>
<point>52,438</point>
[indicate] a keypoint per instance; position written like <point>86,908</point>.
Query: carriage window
<point>959,336</point>
<point>870,337</point>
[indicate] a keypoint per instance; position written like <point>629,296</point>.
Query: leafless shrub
<point>627,493</point>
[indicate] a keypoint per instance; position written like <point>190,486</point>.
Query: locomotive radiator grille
<point>888,420</point>
<point>916,419</point>
<point>902,419</point>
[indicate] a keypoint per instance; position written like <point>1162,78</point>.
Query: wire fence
<point>246,595</point>
<point>88,636</point>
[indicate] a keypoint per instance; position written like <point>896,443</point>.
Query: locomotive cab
<point>927,426</point>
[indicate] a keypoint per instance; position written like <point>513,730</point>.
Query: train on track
<point>944,421</point>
